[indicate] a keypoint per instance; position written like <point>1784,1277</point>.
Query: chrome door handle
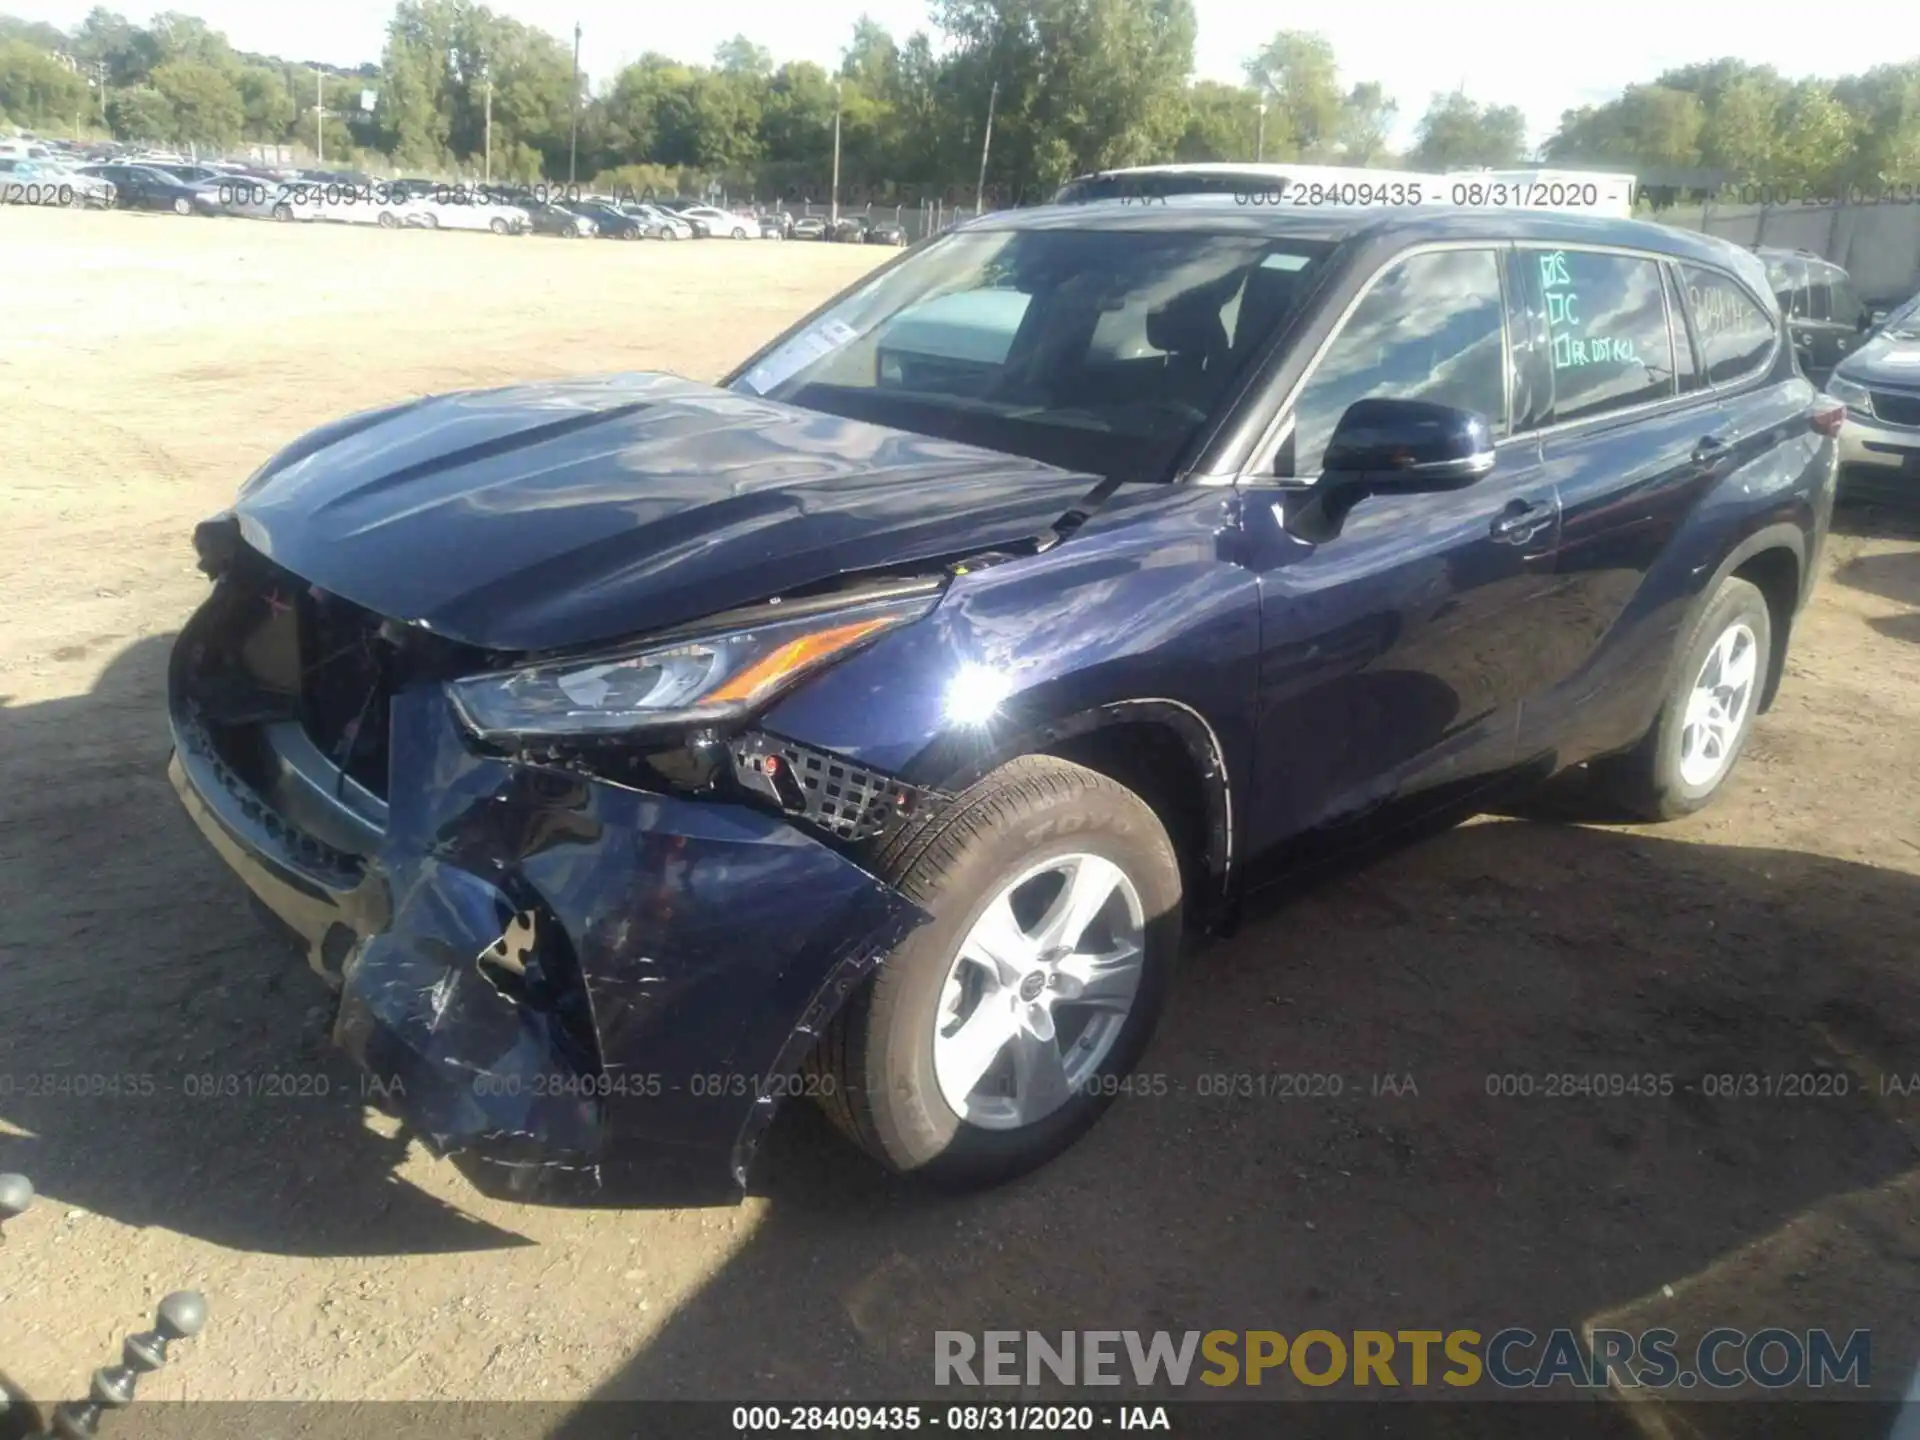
<point>1521,521</point>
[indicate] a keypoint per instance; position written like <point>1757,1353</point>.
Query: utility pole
<point>320,118</point>
<point>1260,137</point>
<point>986,140</point>
<point>573,137</point>
<point>486,74</point>
<point>833,217</point>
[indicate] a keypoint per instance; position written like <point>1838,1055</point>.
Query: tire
<point>283,212</point>
<point>877,1061</point>
<point>738,233</point>
<point>183,206</point>
<point>1655,780</point>
<point>498,226</point>
<point>431,222</point>
<point>388,221</point>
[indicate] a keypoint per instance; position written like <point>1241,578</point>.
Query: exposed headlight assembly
<point>1854,396</point>
<point>678,681</point>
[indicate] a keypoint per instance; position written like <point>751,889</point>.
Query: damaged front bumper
<point>539,969</point>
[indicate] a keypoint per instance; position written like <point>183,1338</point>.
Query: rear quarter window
<point>1736,335</point>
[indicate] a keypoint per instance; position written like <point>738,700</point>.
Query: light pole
<point>986,140</point>
<point>833,217</point>
<point>1260,136</point>
<point>486,76</point>
<point>573,137</point>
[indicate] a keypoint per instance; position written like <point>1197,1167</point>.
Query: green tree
<point>740,56</point>
<point>1297,70</point>
<point>1814,147</point>
<point>204,100</point>
<point>108,38</point>
<point>1223,124</point>
<point>36,89</point>
<point>266,105</point>
<point>1366,123</point>
<point>1457,132</point>
<point>142,113</point>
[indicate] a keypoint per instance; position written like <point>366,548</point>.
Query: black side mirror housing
<point>1408,445</point>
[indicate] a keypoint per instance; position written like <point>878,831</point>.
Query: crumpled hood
<point>545,516</point>
<point>1884,360</point>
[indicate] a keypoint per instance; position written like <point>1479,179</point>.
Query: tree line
<point>1072,85</point>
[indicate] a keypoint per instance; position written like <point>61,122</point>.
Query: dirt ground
<point>147,364</point>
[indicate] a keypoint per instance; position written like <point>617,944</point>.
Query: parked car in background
<point>809,227</point>
<point>848,230</point>
<point>1880,386</point>
<point>255,199</point>
<point>876,732</point>
<point>725,223</point>
<point>450,209</point>
<point>665,225</point>
<point>777,226</point>
<point>190,174</point>
<point>141,187</point>
<point>1824,313</point>
<point>547,217</point>
<point>45,182</point>
<point>610,222</point>
<point>887,232</point>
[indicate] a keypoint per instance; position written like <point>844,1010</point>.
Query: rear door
<point>1397,642</point>
<point>1632,438</point>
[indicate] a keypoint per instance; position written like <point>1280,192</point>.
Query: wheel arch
<point>1773,560</point>
<point>1165,751</point>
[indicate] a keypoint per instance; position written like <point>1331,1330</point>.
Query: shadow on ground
<point>1487,960</point>
<point>143,1002</point>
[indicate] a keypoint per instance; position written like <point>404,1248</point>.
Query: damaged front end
<point>548,956</point>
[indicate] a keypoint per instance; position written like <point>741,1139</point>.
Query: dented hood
<point>546,516</point>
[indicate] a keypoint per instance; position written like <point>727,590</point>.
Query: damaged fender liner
<point>573,971</point>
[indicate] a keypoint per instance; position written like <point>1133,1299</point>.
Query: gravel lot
<point>147,364</point>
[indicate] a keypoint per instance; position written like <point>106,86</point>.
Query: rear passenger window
<point>1433,327</point>
<point>1608,318</point>
<point>1686,370</point>
<point>1736,335</point>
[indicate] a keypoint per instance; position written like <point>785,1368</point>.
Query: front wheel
<point>498,226</point>
<point>283,212</point>
<point>183,206</point>
<point>994,1036</point>
<point>388,220</point>
<point>739,234</point>
<point>1686,757</point>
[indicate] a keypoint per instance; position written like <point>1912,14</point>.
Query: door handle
<point>1521,521</point>
<point>1710,449</point>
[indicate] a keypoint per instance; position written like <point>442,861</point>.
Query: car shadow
<point>166,1063</point>
<point>1421,1168</point>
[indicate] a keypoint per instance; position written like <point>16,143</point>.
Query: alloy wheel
<point>1039,991</point>
<point>1718,705</point>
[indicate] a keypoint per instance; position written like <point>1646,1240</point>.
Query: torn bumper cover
<point>544,970</point>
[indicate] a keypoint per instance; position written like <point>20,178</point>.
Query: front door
<point>1397,647</point>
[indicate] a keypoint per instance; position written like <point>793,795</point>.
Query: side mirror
<point>1408,445</point>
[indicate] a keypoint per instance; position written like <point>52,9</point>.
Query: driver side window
<point>1431,328</point>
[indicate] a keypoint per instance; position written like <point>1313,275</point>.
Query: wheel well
<point>1154,762</point>
<point>1775,573</point>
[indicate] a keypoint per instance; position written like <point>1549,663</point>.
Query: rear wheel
<point>994,1036</point>
<point>388,221</point>
<point>183,206</point>
<point>283,211</point>
<point>498,226</point>
<point>739,233</point>
<point>1686,757</point>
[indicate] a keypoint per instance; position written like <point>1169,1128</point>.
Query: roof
<point>1220,215</point>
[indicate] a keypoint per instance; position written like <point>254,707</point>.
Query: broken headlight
<point>696,679</point>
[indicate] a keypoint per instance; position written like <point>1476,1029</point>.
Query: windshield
<point>1904,322</point>
<point>1104,351</point>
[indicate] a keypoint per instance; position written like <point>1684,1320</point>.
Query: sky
<point>1542,57</point>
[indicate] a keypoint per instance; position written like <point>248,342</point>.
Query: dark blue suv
<point>634,754</point>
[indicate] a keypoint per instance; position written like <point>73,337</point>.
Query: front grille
<point>346,685</point>
<point>1897,408</point>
